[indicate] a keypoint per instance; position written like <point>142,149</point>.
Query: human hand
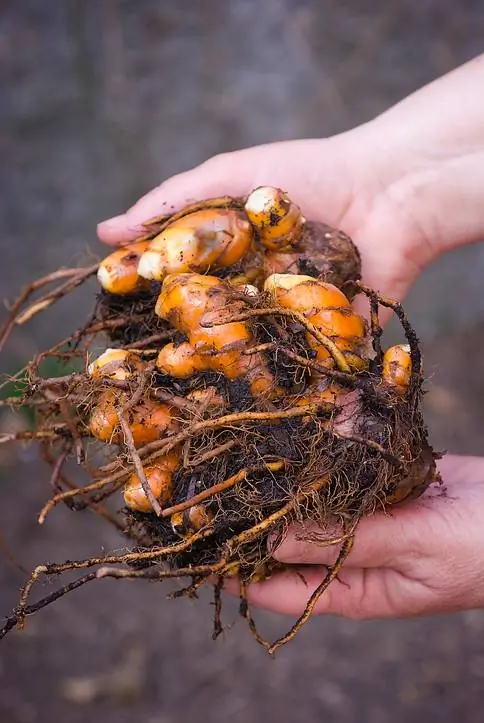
<point>406,186</point>
<point>424,557</point>
<point>333,180</point>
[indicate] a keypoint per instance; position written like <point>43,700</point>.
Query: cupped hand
<point>424,557</point>
<point>405,187</point>
<point>342,181</point>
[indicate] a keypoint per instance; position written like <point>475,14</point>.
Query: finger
<point>459,469</point>
<point>379,541</point>
<point>236,174</point>
<point>208,180</point>
<point>383,539</point>
<point>357,593</point>
<point>227,174</point>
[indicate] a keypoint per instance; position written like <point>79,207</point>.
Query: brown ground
<point>100,101</point>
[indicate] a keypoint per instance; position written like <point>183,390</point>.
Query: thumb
<point>232,174</point>
<point>212,178</point>
<point>302,168</point>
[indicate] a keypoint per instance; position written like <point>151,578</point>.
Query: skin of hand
<point>423,557</point>
<point>406,187</point>
<point>343,188</point>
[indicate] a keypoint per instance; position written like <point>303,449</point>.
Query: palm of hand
<point>334,181</point>
<point>424,557</point>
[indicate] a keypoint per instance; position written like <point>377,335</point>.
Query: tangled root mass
<point>240,393</point>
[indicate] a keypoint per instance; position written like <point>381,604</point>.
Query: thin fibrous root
<point>67,494</point>
<point>27,435</point>
<point>331,575</point>
<point>131,557</point>
<point>222,486</point>
<point>266,346</point>
<point>153,339</point>
<point>325,341</point>
<point>376,329</point>
<point>357,380</point>
<point>212,453</point>
<point>371,444</point>
<point>74,432</point>
<point>162,447</point>
<point>223,565</point>
<point>53,296</point>
<point>129,442</point>
<point>57,465</point>
<point>188,591</point>
<point>217,603</point>
<point>27,292</point>
<point>91,504</point>
<point>397,308</point>
<point>19,615</point>
<point>244,610</point>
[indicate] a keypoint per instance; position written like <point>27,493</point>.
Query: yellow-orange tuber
<point>118,364</point>
<point>328,309</point>
<point>180,361</point>
<point>185,300</point>
<point>160,479</point>
<point>191,520</point>
<point>202,241</point>
<point>118,272</point>
<point>397,367</point>
<point>277,219</point>
<point>148,420</point>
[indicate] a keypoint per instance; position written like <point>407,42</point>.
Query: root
<point>57,468</point>
<point>150,340</point>
<point>68,494</point>
<point>17,618</point>
<point>93,505</point>
<point>212,453</point>
<point>188,591</point>
<point>129,442</point>
<point>253,455</point>
<point>219,568</point>
<point>163,447</point>
<point>371,444</point>
<point>157,224</point>
<point>71,426</point>
<point>376,329</point>
<point>352,380</point>
<point>26,435</point>
<point>244,610</point>
<point>412,339</point>
<point>222,486</point>
<point>331,575</point>
<point>217,602</point>
<point>41,304</point>
<point>325,341</point>
<point>133,557</point>
<point>13,317</point>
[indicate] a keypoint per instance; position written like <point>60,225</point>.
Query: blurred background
<point>99,102</point>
